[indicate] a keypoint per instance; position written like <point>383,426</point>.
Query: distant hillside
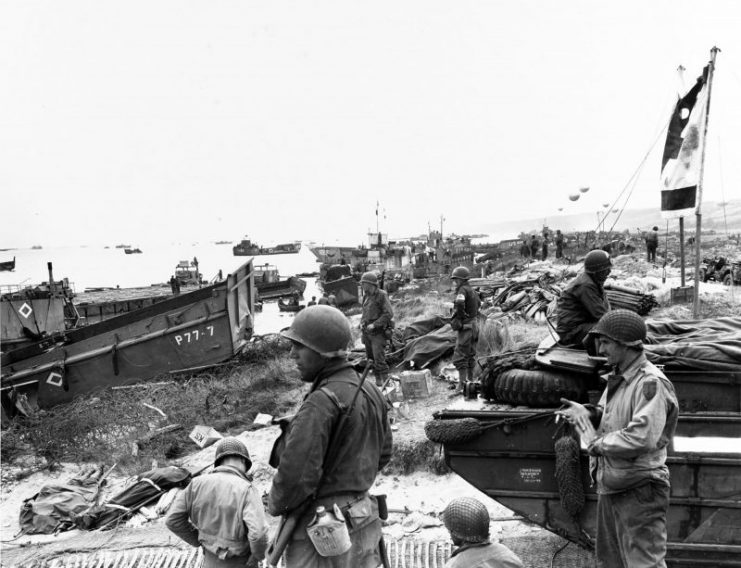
<point>633,220</point>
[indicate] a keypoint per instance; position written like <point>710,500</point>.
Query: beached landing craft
<point>188,331</point>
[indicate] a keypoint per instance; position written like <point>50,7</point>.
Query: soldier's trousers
<point>631,527</point>
<point>464,355</point>
<point>375,350</point>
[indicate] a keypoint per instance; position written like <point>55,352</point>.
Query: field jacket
<point>484,555</point>
<point>364,445</point>
<point>377,310</point>
<point>582,301</point>
<point>222,512</point>
<point>639,412</point>
<point>466,304</point>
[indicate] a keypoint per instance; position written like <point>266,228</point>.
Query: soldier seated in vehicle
<point>583,302</point>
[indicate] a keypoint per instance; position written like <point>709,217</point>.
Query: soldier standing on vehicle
<point>635,418</point>
<point>652,243</point>
<point>465,312</point>
<point>318,466</point>
<point>583,302</point>
<point>467,521</point>
<point>375,324</point>
<point>223,512</point>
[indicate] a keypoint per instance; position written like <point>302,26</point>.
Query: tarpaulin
<point>422,327</point>
<point>148,486</point>
<point>55,507</point>
<point>703,345</point>
<point>424,350</point>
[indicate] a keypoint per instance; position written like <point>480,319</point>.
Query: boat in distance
<point>247,248</point>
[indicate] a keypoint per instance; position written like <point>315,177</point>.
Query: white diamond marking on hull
<point>25,310</point>
<point>54,379</point>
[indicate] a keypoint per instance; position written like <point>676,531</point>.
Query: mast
<point>698,211</point>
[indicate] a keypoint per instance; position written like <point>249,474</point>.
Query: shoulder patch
<point>649,389</point>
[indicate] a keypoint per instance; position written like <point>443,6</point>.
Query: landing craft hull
<point>346,290</point>
<point>288,287</point>
<point>514,463</point>
<point>254,250</point>
<point>190,330</point>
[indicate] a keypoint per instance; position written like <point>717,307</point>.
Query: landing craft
<point>191,330</point>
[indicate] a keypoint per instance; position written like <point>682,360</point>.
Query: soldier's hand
<point>578,416</point>
<point>370,327</point>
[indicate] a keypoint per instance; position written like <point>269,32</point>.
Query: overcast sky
<point>168,120</point>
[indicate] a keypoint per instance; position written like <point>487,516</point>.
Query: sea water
<point>94,266</point>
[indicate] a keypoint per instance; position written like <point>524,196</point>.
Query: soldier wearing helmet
<point>583,302</point>
<point>466,309</point>
<point>376,320</point>
<point>635,421</point>
<point>320,336</point>
<point>467,521</point>
<point>204,513</point>
<point>652,243</point>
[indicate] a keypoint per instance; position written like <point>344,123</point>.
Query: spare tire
<point>539,388</point>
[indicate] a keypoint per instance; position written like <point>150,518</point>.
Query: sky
<point>160,121</point>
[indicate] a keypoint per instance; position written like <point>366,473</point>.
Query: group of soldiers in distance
<point>537,247</point>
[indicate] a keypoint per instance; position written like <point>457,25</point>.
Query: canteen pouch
<point>329,534</point>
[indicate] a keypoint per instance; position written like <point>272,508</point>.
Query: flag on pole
<point>680,165</point>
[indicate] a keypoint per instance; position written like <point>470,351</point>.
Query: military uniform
<point>580,307</point>
<point>364,448</point>
<point>483,555</point>
<point>466,310</point>
<point>638,415</point>
<point>652,243</point>
<point>376,311</point>
<point>222,512</point>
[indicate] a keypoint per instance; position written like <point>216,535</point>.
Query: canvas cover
<point>119,508</point>
<point>701,345</point>
<point>430,347</point>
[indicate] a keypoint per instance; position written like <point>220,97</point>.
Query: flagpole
<point>698,211</point>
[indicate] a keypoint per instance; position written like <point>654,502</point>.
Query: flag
<point>680,164</point>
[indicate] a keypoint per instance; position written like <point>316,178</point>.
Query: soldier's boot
<point>463,375</point>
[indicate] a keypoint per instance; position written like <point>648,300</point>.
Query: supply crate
<point>416,384</point>
<point>683,294</point>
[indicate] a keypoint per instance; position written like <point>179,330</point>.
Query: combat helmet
<point>596,261</point>
<point>321,328</point>
<point>232,447</point>
<point>623,326</point>
<point>467,519</point>
<point>461,273</point>
<point>369,278</point>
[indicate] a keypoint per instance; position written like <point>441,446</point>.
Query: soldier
<point>320,466</point>
<point>583,301</point>
<point>223,512</point>
<point>635,418</point>
<point>559,243</point>
<point>374,323</point>
<point>467,521</point>
<point>466,309</point>
<point>652,243</point>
